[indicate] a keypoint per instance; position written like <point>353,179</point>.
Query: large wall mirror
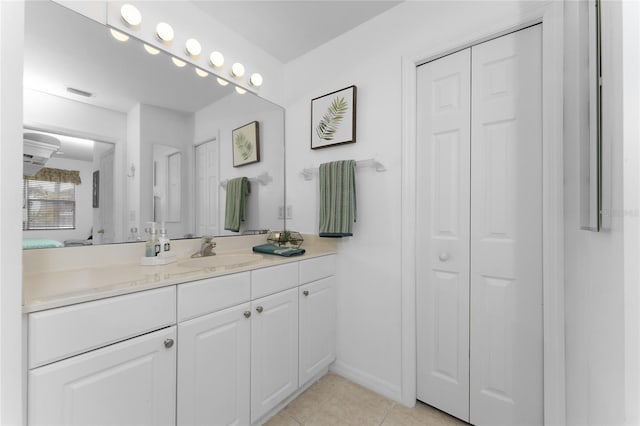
<point>149,137</point>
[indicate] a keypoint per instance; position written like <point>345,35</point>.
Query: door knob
<point>443,256</point>
<point>168,343</point>
<point>259,309</point>
<point>247,314</point>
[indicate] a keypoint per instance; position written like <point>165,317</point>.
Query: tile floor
<point>334,400</point>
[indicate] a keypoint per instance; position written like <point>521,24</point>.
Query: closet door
<point>443,228</point>
<point>506,231</point>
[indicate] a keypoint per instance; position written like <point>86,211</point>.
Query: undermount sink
<point>220,260</point>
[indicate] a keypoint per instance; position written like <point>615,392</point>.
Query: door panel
<point>443,226</point>
<point>213,368</point>
<point>128,383</point>
<point>506,231</point>
<point>317,334</point>
<point>274,350</point>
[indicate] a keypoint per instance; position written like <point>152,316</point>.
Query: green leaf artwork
<point>243,145</point>
<point>331,120</point>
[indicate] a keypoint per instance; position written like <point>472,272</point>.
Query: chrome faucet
<point>206,248</point>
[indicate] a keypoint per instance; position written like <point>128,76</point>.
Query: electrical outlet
<point>289,212</point>
<point>280,212</point>
<point>132,215</point>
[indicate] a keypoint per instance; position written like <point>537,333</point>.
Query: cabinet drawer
<point>315,269</point>
<point>206,296</point>
<point>273,279</point>
<point>62,332</point>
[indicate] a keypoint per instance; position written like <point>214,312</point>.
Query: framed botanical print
<point>333,118</point>
<point>246,144</point>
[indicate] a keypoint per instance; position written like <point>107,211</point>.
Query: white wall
<point>594,286</point>
<point>84,197</point>
<point>12,381</point>
<point>224,116</point>
<point>369,274</point>
<point>631,159</point>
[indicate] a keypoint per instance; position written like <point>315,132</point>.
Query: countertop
<point>55,288</point>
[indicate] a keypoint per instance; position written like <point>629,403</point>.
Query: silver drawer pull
<point>247,314</point>
<point>259,309</point>
<point>168,343</point>
<point>306,292</point>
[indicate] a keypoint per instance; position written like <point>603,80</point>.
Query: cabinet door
<point>129,383</point>
<point>274,350</point>
<point>213,368</point>
<point>317,327</point>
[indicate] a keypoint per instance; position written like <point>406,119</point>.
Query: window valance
<point>57,175</point>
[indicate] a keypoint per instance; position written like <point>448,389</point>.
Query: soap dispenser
<point>152,246</point>
<point>165,242</point>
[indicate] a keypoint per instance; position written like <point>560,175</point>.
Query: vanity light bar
<point>132,18</point>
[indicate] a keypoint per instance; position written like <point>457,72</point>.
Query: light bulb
<point>193,47</point>
<point>164,32</point>
<point>151,50</point>
<point>240,90</point>
<point>222,82</point>
<point>237,70</point>
<point>255,80</point>
<point>216,59</point>
<point>118,35</point>
<point>201,73</point>
<point>178,62</point>
<point>130,15</point>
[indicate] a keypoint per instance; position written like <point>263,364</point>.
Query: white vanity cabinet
<point>101,362</point>
<point>317,318</point>
<point>218,351</point>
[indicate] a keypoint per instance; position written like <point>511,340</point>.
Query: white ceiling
<point>288,29</point>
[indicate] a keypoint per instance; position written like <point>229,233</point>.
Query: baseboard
<point>367,380</point>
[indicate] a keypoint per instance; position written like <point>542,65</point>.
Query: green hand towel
<point>337,198</point>
<point>280,251</point>
<point>235,209</point>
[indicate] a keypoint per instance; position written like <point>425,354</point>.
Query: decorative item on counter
<point>157,250</point>
<point>285,239</point>
<point>278,250</point>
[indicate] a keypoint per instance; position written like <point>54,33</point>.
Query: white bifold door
<point>479,250</point>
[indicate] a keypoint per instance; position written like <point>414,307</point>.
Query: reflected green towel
<point>280,251</point>
<point>236,207</point>
<point>337,198</point>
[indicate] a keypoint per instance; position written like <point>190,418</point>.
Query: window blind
<point>49,205</point>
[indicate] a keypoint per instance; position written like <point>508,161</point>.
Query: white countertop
<point>55,288</point>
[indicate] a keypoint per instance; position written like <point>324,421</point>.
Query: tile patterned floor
<point>335,401</point>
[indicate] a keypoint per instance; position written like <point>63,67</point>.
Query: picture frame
<point>96,189</point>
<point>245,141</point>
<point>333,118</point>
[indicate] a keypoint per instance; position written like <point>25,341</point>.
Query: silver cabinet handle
<point>306,292</point>
<point>247,314</point>
<point>443,256</point>
<point>168,343</point>
<point>259,309</point>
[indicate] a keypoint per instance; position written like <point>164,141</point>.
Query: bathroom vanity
<point>186,343</point>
